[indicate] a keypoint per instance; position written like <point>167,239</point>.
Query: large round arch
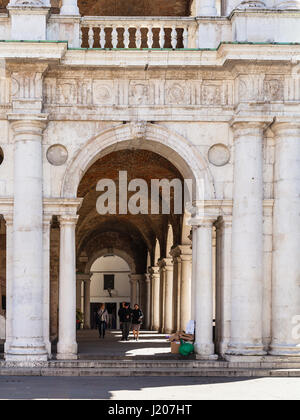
<point>152,137</point>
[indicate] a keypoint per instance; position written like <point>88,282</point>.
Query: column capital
<point>183,252</point>
<point>286,127</point>
<point>68,219</point>
<point>154,271</point>
<point>206,221</point>
<point>28,126</point>
<point>83,277</point>
<point>249,126</point>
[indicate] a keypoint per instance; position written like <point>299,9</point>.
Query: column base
<point>66,356</point>
<point>23,351</point>
<point>67,351</point>
<point>211,357</point>
<point>205,351</point>
<point>245,350</point>
<point>285,350</point>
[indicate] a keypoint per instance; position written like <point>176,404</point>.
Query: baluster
<point>102,37</point>
<point>126,37</point>
<point>150,37</point>
<point>185,37</point>
<point>138,37</point>
<point>91,37</point>
<point>162,37</point>
<point>114,37</point>
<point>174,38</point>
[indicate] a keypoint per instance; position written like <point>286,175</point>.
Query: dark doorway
<point>112,312</point>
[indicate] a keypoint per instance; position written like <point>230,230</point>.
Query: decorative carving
<point>57,155</point>
<point>273,90</point>
<point>175,94</point>
<point>139,94</point>
<point>211,94</point>
<point>219,155</point>
<point>102,93</point>
<point>138,130</point>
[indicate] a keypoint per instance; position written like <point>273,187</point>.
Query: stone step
<point>147,372</point>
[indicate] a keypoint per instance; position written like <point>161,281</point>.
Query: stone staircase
<point>126,368</point>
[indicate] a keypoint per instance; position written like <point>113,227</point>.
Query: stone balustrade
<point>173,33</point>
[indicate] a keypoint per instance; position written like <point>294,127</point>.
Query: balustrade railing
<point>173,33</point>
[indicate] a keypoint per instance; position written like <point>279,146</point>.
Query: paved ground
<point>149,388</point>
<point>150,344</point>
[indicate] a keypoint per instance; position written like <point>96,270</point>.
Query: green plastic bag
<point>186,348</point>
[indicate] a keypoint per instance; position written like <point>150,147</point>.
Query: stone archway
<point>152,137</point>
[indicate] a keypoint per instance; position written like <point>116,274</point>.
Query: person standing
<point>125,320</point>
<point>137,317</point>
<point>102,320</point>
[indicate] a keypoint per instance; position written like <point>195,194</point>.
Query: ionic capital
<point>28,127</point>
<point>250,127</point>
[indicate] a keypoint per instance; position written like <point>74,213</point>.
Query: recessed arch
<point>156,138</point>
<point>105,251</point>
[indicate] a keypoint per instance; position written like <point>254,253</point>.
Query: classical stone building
<point>199,90</point>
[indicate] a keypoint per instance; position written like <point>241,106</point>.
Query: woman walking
<point>102,320</point>
<point>137,317</point>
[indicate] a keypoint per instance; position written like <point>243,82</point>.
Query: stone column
<point>205,8</point>
<point>147,311</point>
<point>186,286</point>
<point>87,303</point>
<point>27,342</point>
<point>247,241</point>
<point>223,321</point>
<point>78,293</point>
<point>46,269</point>
<point>133,282</point>
<point>203,277</point>
<point>286,241</point>
<point>9,280</point>
<point>168,296</point>
<point>162,295</point>
<point>69,8</point>
<point>156,297</point>
<point>67,345</point>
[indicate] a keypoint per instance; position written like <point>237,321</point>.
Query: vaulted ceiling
<point>134,234</point>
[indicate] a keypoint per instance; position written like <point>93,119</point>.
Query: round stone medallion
<point>57,155</point>
<point>219,155</point>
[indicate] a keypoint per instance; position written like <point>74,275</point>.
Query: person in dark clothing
<point>125,320</point>
<point>137,317</point>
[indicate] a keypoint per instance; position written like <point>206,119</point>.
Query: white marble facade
<point>224,109</point>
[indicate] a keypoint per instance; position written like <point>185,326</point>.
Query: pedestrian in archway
<point>137,318</point>
<point>125,320</point>
<point>102,320</point>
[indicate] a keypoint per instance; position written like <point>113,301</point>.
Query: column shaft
<point>286,242</point>
<point>46,277</point>
<point>87,304</point>
<point>247,241</point>
<point>168,301</point>
<point>156,298</point>
<point>67,345</point>
<point>202,241</point>
<point>27,289</point>
<point>69,8</point>
<point>9,280</point>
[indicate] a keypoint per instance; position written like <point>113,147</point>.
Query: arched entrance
<point>157,244</point>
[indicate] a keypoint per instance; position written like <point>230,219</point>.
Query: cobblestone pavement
<point>149,388</point>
